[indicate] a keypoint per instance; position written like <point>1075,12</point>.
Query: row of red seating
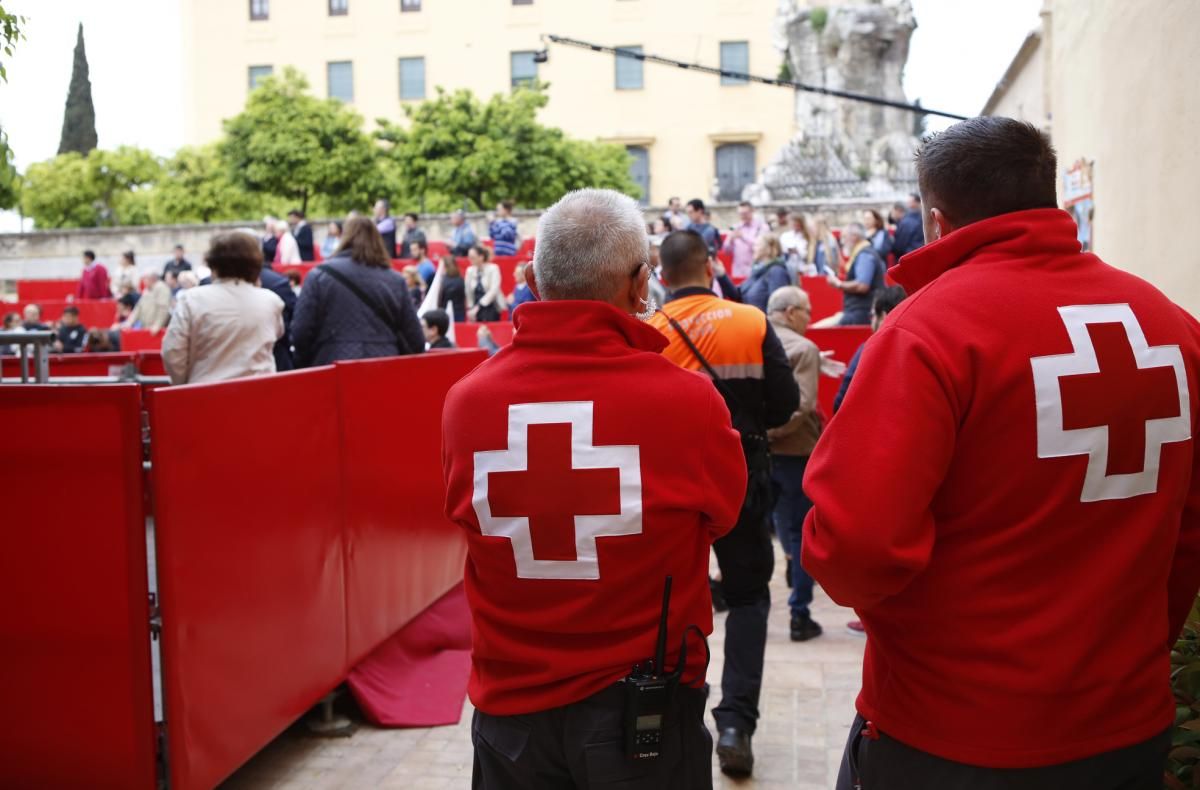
<point>145,363</point>
<point>92,312</point>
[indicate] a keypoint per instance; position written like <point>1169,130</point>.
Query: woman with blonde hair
<point>768,274</point>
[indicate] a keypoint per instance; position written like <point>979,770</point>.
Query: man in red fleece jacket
<point>1030,544</point>
<point>585,468</point>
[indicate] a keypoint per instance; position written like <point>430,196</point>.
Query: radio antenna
<point>660,649</point>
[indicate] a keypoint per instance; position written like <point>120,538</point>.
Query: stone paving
<point>807,707</point>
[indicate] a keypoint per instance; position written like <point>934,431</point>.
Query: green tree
<point>10,34</point>
<point>10,181</point>
<point>460,148</point>
<point>79,116</point>
<point>289,143</point>
<point>197,188</point>
<point>103,188</point>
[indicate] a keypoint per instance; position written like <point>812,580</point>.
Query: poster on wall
<point>1077,199</point>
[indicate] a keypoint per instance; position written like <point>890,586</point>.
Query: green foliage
<point>819,18</point>
<point>1182,769</point>
<point>79,116</point>
<point>785,69</point>
<point>10,34</point>
<point>458,148</point>
<point>196,188</point>
<point>103,188</point>
<point>10,181</point>
<point>292,144</point>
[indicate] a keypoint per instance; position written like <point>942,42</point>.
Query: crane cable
<point>800,86</point>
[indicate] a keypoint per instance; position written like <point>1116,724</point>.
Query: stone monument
<point>844,148</point>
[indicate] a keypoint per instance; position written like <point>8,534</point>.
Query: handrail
<point>40,340</point>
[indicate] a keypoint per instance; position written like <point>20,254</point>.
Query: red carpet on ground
<point>418,678</point>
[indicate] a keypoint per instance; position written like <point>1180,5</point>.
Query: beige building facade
<point>1119,100</point>
<point>690,134</point>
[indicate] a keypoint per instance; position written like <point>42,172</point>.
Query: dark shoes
<point>804,629</point>
<point>718,596</point>
<point>734,752</point>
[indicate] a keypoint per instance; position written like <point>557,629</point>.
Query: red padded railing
<point>843,341</point>
<point>75,664</point>
<point>51,290</point>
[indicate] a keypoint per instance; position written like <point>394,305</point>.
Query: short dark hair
<point>682,255</point>
<point>294,277</point>
<point>297,213</point>
<point>986,166</point>
<point>915,196</point>
<point>128,255</point>
<point>887,300</point>
<point>129,300</point>
<point>696,203</point>
<point>412,214</point>
<point>91,256</point>
<point>11,318</point>
<point>178,247</point>
<point>424,245</point>
<point>437,319</point>
<point>508,205</point>
<point>745,203</point>
<point>237,255</point>
<point>71,310</point>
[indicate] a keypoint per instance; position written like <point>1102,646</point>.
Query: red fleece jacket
<point>1009,498</point>
<point>585,467</point>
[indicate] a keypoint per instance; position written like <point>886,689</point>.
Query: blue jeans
<point>790,509</point>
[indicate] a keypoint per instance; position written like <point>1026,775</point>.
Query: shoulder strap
<point>379,312</point>
<point>721,386</point>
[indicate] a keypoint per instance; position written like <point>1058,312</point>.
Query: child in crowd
<point>436,324</point>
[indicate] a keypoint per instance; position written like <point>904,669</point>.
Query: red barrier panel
<point>149,363</point>
<point>401,552</point>
<point>826,300</point>
<point>466,333</point>
<point>46,290</point>
<point>73,365</point>
<point>75,664</point>
<point>92,312</point>
<point>526,248</point>
<point>250,565</point>
<point>141,340</point>
<point>437,249</point>
<point>843,341</point>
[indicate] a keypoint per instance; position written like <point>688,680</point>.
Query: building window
<point>412,78</point>
<point>339,7</point>
<point>341,81</point>
<point>260,9</point>
<point>735,169</point>
<point>410,5</point>
<point>735,56</point>
<point>524,69</point>
<point>629,70</point>
<point>258,74</point>
<point>639,170</point>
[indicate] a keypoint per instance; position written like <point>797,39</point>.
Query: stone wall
<point>51,254</point>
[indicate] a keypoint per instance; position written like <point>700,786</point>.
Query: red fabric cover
<point>437,249</point>
<point>1010,623</point>
<point>826,300</point>
<point>250,565</point>
<point>75,662</point>
<point>544,642</point>
<point>140,340</point>
<point>149,363</point>
<point>418,677</point>
<point>46,290</point>
<point>107,364</point>
<point>467,333</point>
<point>401,553</point>
<point>843,341</point>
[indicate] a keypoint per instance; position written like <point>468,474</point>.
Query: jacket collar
<point>1041,231</point>
<point>583,327</point>
<point>691,290</point>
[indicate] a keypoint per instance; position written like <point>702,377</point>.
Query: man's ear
<point>941,225</point>
<point>532,282</point>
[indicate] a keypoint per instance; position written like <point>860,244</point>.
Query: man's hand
<point>831,367</point>
<point>718,267</point>
<point>833,281</point>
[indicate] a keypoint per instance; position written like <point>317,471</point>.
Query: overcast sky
<point>959,52</point>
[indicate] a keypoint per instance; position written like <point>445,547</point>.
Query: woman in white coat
<point>484,298</point>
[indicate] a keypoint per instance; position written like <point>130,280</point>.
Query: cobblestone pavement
<point>807,707</point>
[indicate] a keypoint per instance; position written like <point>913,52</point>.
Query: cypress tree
<point>79,118</point>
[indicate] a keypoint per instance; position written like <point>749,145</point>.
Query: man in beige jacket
<point>790,312</point>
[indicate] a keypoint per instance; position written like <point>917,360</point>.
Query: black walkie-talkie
<point>648,691</point>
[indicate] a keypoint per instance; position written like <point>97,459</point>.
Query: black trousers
<point>887,764</point>
<point>747,559</point>
<point>580,747</point>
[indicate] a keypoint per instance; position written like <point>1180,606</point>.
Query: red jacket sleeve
<point>1185,567</point>
<point>724,483</point>
<point>868,534</point>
